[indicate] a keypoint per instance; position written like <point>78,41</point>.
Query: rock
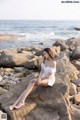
<point>76,53</point>
<point>72,90</point>
<point>78,89</point>
<point>76,28</point>
<point>39,53</point>
<point>41,43</point>
<point>32,63</point>
<point>20,74</point>
<point>55,50</point>
<point>3,82</point>
<point>77,98</point>
<point>12,58</point>
<point>41,99</point>
<point>72,43</point>
<point>1,71</point>
<point>77,82</point>
<point>1,78</point>
<point>8,69</point>
<point>62,44</point>
<point>35,48</point>
<point>19,69</point>
<point>65,68</point>
<point>2,90</point>
<point>75,113</point>
<point>76,63</point>
<point>52,101</point>
<point>43,114</point>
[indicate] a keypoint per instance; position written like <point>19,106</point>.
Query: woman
<point>46,77</point>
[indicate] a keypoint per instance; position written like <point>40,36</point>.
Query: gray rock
<point>62,44</point>
<point>76,63</point>
<point>72,90</point>
<point>19,69</point>
<point>1,78</point>
<point>76,53</point>
<point>77,82</point>
<point>2,90</point>
<point>72,43</point>
<point>78,89</point>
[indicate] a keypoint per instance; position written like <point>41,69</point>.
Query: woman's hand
<point>36,81</point>
<point>39,81</point>
<point>33,80</point>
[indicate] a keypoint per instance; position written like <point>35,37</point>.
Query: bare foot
<point>11,107</point>
<point>20,104</point>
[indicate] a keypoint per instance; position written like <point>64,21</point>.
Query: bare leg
<point>25,94</point>
<point>16,102</point>
<point>28,90</point>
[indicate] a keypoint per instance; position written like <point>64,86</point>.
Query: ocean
<point>36,32</point>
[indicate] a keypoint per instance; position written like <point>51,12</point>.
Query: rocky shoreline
<point>60,102</point>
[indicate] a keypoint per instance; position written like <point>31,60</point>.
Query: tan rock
<point>77,98</point>
<point>72,43</point>
<point>73,89</point>
<point>65,68</point>
<point>75,112</point>
<point>76,53</point>
<point>76,63</point>
<point>8,69</point>
<point>20,74</point>
<point>42,114</point>
<point>62,44</point>
<point>19,69</point>
<point>12,58</point>
<point>78,89</point>
<point>1,78</point>
<point>32,63</point>
<point>2,90</point>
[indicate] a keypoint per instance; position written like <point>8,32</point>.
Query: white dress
<point>48,70</point>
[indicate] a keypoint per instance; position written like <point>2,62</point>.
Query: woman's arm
<point>54,64</point>
<point>40,74</point>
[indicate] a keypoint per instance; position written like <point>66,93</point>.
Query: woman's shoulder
<point>54,64</point>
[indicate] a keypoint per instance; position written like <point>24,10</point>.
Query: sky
<point>39,9</point>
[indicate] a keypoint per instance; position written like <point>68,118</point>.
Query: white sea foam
<point>40,35</point>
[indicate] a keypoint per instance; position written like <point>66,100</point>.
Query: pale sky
<point>39,9</point>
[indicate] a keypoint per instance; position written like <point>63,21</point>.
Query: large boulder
<point>50,100</point>
<point>12,58</point>
<point>76,63</point>
<point>65,69</point>
<point>72,43</point>
<point>76,53</point>
<point>62,44</point>
<point>75,113</point>
<point>76,82</point>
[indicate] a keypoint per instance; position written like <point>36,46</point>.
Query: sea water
<point>35,32</point>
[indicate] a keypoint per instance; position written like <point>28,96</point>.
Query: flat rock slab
<point>46,99</point>
<point>76,82</point>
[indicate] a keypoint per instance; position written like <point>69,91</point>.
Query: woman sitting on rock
<point>46,77</point>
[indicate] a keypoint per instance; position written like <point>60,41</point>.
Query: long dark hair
<point>50,53</point>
